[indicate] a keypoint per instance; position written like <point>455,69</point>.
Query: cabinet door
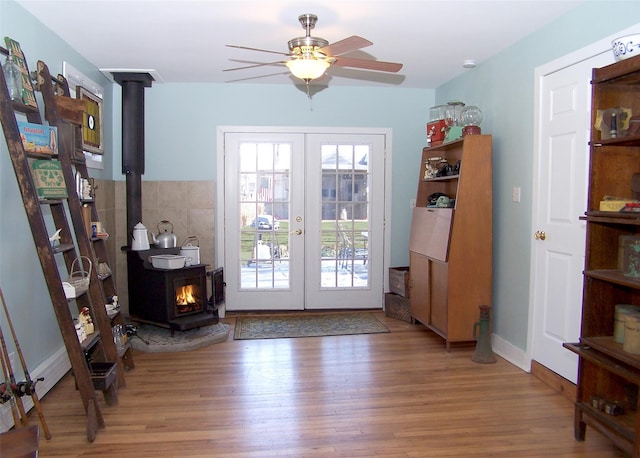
<point>419,298</point>
<point>430,232</point>
<point>439,286</point>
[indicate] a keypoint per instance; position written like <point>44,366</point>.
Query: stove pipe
<point>133,85</point>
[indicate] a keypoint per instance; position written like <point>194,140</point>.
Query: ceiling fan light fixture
<point>310,57</point>
<point>307,69</point>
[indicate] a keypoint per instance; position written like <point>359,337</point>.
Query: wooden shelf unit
<point>73,162</point>
<point>605,370</point>
<point>96,348</point>
<point>450,249</point>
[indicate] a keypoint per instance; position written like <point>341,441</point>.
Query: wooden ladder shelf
<point>99,347</point>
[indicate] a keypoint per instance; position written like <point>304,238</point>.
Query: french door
<point>304,220</point>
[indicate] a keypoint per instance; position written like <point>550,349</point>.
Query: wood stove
<point>173,298</point>
<point>170,298</point>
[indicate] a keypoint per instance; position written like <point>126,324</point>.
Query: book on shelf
<point>38,138</point>
<point>49,179</point>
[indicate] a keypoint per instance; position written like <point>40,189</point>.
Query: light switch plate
<point>515,194</point>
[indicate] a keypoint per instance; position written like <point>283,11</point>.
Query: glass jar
<point>13,77</point>
<point>453,110</point>
<point>471,117</point>
<point>437,112</point>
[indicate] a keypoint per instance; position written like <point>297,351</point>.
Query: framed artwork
<point>92,135</point>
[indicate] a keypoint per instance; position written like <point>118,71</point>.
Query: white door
<point>558,241</point>
<point>304,213</point>
<point>263,187</point>
<point>344,234</point>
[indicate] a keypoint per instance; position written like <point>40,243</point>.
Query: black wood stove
<point>173,298</point>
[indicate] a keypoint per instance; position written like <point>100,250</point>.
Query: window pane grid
<point>264,207</point>
<point>345,208</point>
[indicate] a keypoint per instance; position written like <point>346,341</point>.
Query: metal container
<point>631,339</point>
<point>165,238</point>
<point>621,311</point>
<point>191,251</point>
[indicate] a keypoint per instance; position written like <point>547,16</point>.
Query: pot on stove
<point>191,250</point>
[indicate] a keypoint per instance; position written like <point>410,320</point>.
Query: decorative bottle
<point>13,76</point>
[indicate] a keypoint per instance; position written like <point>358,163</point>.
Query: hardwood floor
<point>386,395</point>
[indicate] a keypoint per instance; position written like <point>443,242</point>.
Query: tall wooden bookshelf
<point>606,370</point>
<point>450,248</point>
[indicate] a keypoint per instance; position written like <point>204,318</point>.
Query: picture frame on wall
<point>92,132</point>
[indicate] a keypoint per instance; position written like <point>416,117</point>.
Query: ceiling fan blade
<point>257,77</point>
<point>368,64</point>
<point>253,66</point>
<point>346,45</point>
<point>258,49</point>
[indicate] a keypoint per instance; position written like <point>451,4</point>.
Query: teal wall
<point>503,87</point>
<point>180,144</point>
<point>21,277</point>
<point>181,121</point>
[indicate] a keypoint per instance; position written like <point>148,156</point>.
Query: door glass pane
<point>345,221</point>
<point>264,212</point>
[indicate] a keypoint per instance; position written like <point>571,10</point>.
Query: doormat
<point>155,339</point>
<point>316,325</point>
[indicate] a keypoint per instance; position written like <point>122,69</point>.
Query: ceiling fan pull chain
<point>310,99</point>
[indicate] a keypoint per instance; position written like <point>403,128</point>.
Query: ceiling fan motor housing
<point>307,45</point>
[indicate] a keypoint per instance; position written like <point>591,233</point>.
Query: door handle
<point>540,235</point>
<point>296,232</point>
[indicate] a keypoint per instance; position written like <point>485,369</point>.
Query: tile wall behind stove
<point>188,205</point>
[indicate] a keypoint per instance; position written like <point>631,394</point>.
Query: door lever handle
<point>296,232</point>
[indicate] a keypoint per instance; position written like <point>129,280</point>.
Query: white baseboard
<point>513,354</point>
<point>53,369</point>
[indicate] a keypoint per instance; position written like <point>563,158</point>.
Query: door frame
<point>220,216</point>
<point>598,47</point>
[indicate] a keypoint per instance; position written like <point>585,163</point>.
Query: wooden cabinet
<point>606,371</point>
<point>450,248</point>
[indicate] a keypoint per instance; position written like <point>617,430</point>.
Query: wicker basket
<point>79,277</point>
<point>102,269</point>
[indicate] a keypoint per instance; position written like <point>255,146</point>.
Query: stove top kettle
<point>165,239</point>
<point>140,240</point>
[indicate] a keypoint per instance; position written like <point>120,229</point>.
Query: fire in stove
<point>187,300</point>
<point>186,295</point>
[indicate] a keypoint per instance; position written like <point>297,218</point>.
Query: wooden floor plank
<point>399,394</point>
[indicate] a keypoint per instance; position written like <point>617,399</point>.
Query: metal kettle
<point>165,238</point>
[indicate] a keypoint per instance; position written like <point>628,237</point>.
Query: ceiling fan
<point>310,57</point>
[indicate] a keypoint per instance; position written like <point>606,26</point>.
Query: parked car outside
<point>266,223</point>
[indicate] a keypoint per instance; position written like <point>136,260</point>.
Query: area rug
<point>311,325</point>
<point>154,339</point>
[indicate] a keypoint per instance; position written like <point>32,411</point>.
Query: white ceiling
<point>184,40</point>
